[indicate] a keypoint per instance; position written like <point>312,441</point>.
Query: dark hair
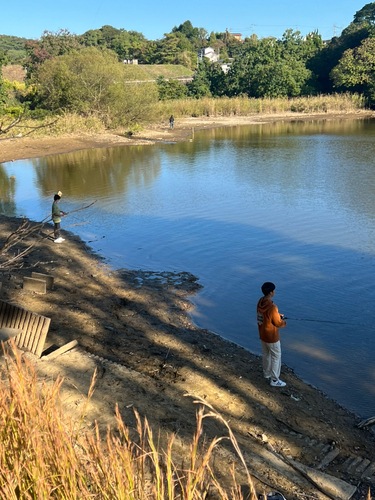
<point>57,197</point>
<point>267,288</point>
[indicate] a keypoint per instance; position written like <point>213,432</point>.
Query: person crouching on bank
<point>269,321</point>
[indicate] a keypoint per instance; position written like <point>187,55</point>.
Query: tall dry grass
<point>71,123</point>
<point>44,457</point>
<point>243,106</point>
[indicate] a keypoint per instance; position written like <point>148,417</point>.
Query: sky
<point>153,18</point>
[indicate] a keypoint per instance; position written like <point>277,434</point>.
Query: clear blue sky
<point>152,18</point>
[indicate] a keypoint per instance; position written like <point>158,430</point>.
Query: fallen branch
<point>366,423</point>
<point>307,477</point>
<point>25,230</point>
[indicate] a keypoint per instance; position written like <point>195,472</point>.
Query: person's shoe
<point>62,239</point>
<point>272,495</point>
<point>277,383</point>
<point>58,240</point>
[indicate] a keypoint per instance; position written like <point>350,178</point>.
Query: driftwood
<point>366,423</point>
<point>307,477</point>
<point>25,230</point>
<point>60,350</point>
<point>16,122</point>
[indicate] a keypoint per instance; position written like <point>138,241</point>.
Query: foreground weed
<point>44,457</point>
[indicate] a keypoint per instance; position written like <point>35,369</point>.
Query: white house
<point>208,52</point>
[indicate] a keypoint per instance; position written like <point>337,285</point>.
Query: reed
<point>243,106</point>
<point>44,457</point>
<point>66,123</point>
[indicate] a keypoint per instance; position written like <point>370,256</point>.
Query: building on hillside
<point>237,36</point>
<point>208,52</point>
<point>225,67</point>
<point>130,61</point>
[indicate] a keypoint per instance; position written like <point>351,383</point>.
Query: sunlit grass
<point>244,106</point>
<point>43,456</point>
<point>66,123</point>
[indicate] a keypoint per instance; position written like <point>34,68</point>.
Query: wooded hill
<point>86,73</point>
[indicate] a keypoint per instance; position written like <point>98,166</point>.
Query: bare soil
<point>134,328</point>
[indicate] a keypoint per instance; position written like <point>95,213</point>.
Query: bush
<point>92,81</point>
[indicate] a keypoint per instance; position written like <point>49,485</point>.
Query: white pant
<point>271,356</point>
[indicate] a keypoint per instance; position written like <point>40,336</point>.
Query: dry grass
<point>166,70</point>
<point>14,73</point>
<point>243,106</point>
<point>42,456</point>
<point>71,123</point>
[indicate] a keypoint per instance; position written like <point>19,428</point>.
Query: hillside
<point>14,46</point>
<point>166,70</point>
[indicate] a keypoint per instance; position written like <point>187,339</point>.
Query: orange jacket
<point>269,321</point>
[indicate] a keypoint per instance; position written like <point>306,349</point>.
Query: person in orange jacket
<point>269,321</point>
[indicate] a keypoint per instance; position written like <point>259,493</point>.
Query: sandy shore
<point>29,147</point>
<point>134,328</point>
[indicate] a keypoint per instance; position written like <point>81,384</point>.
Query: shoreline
<point>134,327</point>
<point>14,149</point>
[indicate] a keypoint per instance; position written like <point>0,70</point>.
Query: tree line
<point>85,73</point>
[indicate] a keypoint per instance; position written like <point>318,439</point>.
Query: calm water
<point>291,203</point>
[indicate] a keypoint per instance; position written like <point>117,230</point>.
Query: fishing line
<point>327,321</point>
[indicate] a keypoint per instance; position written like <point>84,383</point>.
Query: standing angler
<point>269,321</point>
<point>56,217</point>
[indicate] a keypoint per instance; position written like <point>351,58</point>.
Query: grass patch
<point>42,456</point>
<point>166,70</point>
<point>244,106</point>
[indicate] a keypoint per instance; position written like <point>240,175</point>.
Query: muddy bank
<point>134,328</point>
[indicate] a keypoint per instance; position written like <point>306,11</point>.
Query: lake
<point>292,203</point>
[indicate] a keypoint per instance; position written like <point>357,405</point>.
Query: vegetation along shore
<point>190,414</point>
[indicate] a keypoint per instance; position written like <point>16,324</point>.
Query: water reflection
<point>102,172</point>
<point>7,192</point>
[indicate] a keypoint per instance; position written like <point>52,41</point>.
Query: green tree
<point>92,81</point>
<point>50,45</point>
<point>200,86</point>
<point>356,69</point>
<point>269,68</point>
<point>365,15</point>
<point>170,89</point>
<point>167,49</point>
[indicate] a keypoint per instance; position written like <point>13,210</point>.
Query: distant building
<point>225,67</point>
<point>237,36</point>
<point>208,52</point>
<point>130,61</point>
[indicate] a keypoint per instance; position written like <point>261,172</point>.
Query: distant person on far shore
<point>269,321</point>
<point>171,121</point>
<point>56,217</point>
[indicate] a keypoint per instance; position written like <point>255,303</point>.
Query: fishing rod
<point>328,321</point>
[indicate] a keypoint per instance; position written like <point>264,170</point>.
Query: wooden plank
<point>22,325</point>
<point>6,314</point>
<point>42,337</point>
<point>61,350</point>
<point>12,316</point>
<point>35,338</point>
<point>2,309</point>
<point>18,317</point>
<point>28,330</point>
<point>33,332</point>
